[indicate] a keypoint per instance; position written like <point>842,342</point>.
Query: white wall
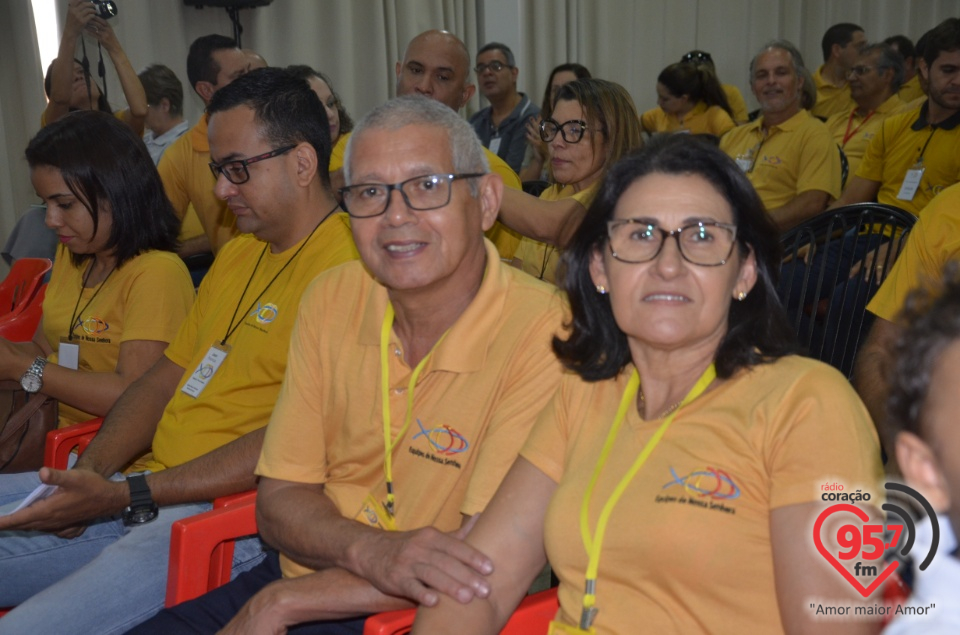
<point>357,43</point>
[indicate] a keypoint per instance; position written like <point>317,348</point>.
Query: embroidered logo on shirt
<point>707,488</point>
<point>442,443</point>
<point>265,313</point>
<point>94,325</point>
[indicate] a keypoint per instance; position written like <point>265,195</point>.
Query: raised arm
<point>510,532</point>
<point>79,13</point>
<point>552,222</point>
<point>133,91</point>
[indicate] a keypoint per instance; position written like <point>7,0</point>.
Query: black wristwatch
<point>142,509</point>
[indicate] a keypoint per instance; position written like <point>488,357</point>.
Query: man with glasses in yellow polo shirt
<point>413,380</point>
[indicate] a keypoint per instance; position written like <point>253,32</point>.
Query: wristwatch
<point>142,509</point>
<point>32,380</point>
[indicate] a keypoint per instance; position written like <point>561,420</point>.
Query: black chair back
<point>832,265</point>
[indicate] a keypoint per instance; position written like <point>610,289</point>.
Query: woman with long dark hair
<point>118,291</point>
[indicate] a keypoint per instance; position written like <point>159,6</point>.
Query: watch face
<point>139,515</point>
<point>30,382</point>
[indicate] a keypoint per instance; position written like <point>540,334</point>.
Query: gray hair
<point>783,45</point>
<point>889,59</point>
<point>417,110</point>
<point>503,48</point>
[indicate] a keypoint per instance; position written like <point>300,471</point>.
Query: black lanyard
<point>234,326</point>
<point>83,284</point>
<point>924,148</point>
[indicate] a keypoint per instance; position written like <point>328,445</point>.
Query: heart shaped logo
<point>829,557</point>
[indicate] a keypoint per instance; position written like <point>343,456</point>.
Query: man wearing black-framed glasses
<point>501,125</point>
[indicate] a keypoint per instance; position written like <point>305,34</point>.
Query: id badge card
<point>911,183</point>
<point>494,145</point>
<point>744,162</point>
<point>205,371</point>
<point>68,354</point>
<point>374,514</point>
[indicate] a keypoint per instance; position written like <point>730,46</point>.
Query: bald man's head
<point>436,64</point>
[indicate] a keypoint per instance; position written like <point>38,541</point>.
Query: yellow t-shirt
<point>737,103</point>
<point>795,156</point>
<point>240,395</point>
<point>539,259</point>
<point>897,148</point>
<point>911,90</point>
<point>701,120</point>
<point>933,241</point>
<point>853,132</point>
<point>145,299</point>
<point>475,400</point>
<point>185,171</point>
<point>831,99</point>
<point>698,512</point>
<point>336,153</point>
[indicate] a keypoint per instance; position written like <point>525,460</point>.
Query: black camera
<point>106,9</point>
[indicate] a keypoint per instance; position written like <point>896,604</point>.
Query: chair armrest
<point>533,615</point>
<point>201,547</point>
<point>60,443</point>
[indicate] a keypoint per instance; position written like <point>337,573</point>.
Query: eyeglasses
<point>706,244</point>
<point>571,131</point>
<point>861,70</point>
<point>496,66</point>
<point>236,170</point>
<point>421,193</point>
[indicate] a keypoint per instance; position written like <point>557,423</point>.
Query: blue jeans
<point>105,581</point>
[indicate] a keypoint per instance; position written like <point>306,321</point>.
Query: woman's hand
<point>104,34</point>
<point>79,15</point>
<point>532,135</point>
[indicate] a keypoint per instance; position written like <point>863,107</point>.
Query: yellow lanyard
<point>388,443</point>
<point>594,543</point>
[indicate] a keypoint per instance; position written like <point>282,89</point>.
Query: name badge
<point>911,183</point>
<point>494,145</point>
<point>744,163</point>
<point>68,354</point>
<point>205,371</point>
<point>376,515</point>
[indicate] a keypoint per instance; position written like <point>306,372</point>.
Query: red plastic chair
<point>60,443</point>
<point>21,325</point>
<point>532,617</point>
<point>208,538</point>
<point>21,284</point>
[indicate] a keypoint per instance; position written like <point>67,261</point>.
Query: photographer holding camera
<point>68,83</point>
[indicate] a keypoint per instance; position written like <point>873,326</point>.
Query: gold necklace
<point>665,412</point>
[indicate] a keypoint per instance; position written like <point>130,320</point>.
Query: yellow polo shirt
<point>911,90</point>
<point>737,103</point>
<point>897,148</point>
<point>185,171</point>
<point>793,157</point>
<point>239,397</point>
<point>831,99</point>
<point>933,241</point>
<point>539,259</point>
<point>853,132</point>
<point>701,120</point>
<point>476,398</point>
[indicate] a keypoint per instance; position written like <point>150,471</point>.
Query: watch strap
<point>140,496</point>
